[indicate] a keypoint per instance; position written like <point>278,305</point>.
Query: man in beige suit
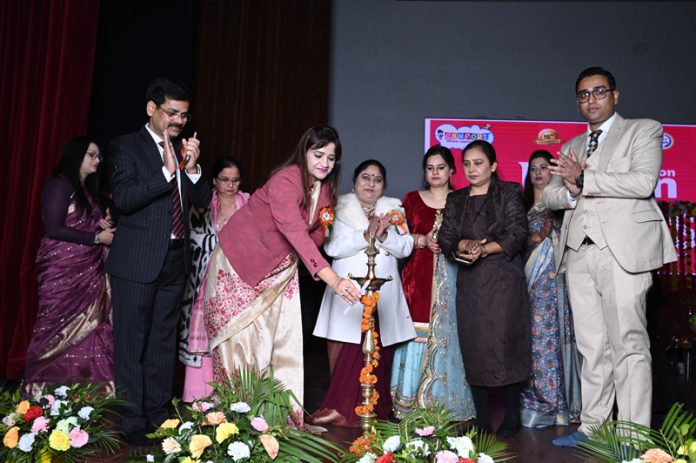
<point>613,235</point>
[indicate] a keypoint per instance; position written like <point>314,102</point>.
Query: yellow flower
<point>681,450</point>
<point>680,460</point>
<point>198,444</point>
<point>11,438</point>
<point>58,440</point>
<point>189,460</point>
<point>224,431</point>
<point>23,407</point>
<point>692,446</point>
<point>170,424</point>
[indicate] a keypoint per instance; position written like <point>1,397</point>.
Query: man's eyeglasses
<point>599,93</point>
<point>172,114</point>
<point>227,180</point>
<point>94,155</point>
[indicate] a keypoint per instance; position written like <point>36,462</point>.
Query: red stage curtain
<point>46,59</point>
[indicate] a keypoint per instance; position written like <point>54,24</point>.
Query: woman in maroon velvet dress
<point>71,341</point>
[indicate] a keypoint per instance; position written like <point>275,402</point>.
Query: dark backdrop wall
<point>397,62</point>
<point>136,43</point>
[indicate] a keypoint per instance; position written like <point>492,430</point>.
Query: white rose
<point>463,445</point>
<point>483,458</point>
<point>26,442</point>
<point>392,444</point>
<point>85,412</point>
<point>61,391</point>
<point>238,451</point>
<point>149,457</point>
<point>185,426</point>
<point>368,458</point>
<point>240,407</point>
<point>10,420</point>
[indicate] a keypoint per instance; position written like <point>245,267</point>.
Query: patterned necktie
<point>177,213</point>
<point>592,145</point>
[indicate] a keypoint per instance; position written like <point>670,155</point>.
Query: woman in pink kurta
<point>205,225</point>
<point>252,305</point>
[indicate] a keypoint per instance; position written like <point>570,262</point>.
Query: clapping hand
<point>168,155</point>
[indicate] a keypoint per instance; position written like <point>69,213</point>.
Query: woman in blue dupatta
<point>552,395</point>
<point>429,369</point>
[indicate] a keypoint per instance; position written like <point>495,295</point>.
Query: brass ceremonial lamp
<point>372,285</point>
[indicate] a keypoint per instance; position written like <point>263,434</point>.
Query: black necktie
<point>592,145</point>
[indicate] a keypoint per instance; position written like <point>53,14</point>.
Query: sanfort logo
<point>667,141</point>
<point>457,138</point>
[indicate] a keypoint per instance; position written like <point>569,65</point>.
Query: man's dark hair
<point>160,89</point>
<point>596,71</point>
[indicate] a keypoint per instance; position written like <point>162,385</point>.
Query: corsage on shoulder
<point>326,219</point>
<point>396,218</point>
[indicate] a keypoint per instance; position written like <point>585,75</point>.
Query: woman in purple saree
<point>71,341</point>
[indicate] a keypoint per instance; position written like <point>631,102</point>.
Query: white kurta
<point>337,320</point>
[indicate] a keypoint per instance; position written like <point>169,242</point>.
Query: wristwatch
<point>96,239</point>
<point>484,253</point>
<point>580,180</point>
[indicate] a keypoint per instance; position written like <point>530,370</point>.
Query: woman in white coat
<point>358,215</point>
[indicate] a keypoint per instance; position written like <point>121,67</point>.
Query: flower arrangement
<point>249,418</point>
<point>426,436</point>
<point>59,424</point>
<point>628,442</point>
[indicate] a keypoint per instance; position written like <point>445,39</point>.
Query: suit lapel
<point>150,149</point>
<point>609,146</point>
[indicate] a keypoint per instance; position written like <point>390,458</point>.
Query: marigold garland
<point>367,375</point>
<point>362,444</point>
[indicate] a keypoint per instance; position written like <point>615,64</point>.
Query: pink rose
<point>40,424</point>
<point>423,432</point>
<point>656,456</point>
<point>446,457</point>
<point>259,424</point>
<point>49,398</point>
<point>202,406</point>
<point>78,438</point>
<point>215,418</point>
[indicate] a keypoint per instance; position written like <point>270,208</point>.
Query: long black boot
<point>480,396</point>
<point>511,422</point>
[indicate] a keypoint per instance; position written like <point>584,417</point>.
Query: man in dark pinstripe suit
<point>149,257</point>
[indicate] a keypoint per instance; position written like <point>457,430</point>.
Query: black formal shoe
<point>510,426</point>
<point>138,437</point>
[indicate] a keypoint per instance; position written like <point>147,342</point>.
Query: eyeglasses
<point>94,155</point>
<point>226,180</point>
<point>599,93</point>
<point>173,113</point>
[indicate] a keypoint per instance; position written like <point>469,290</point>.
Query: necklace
<point>368,210</point>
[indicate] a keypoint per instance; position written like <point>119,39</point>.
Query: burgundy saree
<point>71,341</point>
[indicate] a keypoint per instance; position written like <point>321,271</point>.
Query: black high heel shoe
<point>511,424</point>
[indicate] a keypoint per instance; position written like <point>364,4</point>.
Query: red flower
<point>466,460</point>
<point>386,458</point>
<point>33,412</point>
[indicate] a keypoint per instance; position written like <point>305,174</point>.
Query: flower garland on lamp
<point>370,345</point>
<point>367,377</point>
